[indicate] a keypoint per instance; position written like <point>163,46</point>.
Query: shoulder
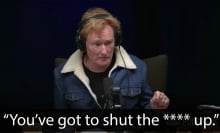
<point>137,61</point>
<point>58,68</point>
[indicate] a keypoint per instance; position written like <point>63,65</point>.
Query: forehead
<point>106,32</point>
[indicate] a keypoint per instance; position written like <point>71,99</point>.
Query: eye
<point>108,43</point>
<point>97,44</point>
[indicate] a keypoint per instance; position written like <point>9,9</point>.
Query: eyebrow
<point>98,41</point>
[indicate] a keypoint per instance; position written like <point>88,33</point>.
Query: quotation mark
<point>216,116</point>
<point>6,116</point>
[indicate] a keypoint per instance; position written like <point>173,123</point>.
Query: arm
<point>147,92</point>
<point>59,100</point>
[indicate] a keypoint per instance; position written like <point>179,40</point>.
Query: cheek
<point>111,49</point>
<point>92,53</point>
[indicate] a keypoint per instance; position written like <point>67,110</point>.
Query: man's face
<point>100,47</point>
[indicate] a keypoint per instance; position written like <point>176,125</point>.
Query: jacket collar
<point>74,63</point>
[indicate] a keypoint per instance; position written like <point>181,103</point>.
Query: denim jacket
<point>72,89</point>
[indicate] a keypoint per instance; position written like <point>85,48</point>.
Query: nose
<point>103,49</point>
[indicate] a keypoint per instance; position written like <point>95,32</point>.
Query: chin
<point>104,63</point>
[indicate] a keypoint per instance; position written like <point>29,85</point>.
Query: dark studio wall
<point>189,34</point>
<point>41,30</point>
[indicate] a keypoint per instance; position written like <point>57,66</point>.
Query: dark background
<point>34,32</point>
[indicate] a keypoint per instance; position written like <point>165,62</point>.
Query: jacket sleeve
<point>59,88</point>
<point>147,92</point>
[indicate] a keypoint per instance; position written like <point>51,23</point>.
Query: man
<point>79,81</point>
